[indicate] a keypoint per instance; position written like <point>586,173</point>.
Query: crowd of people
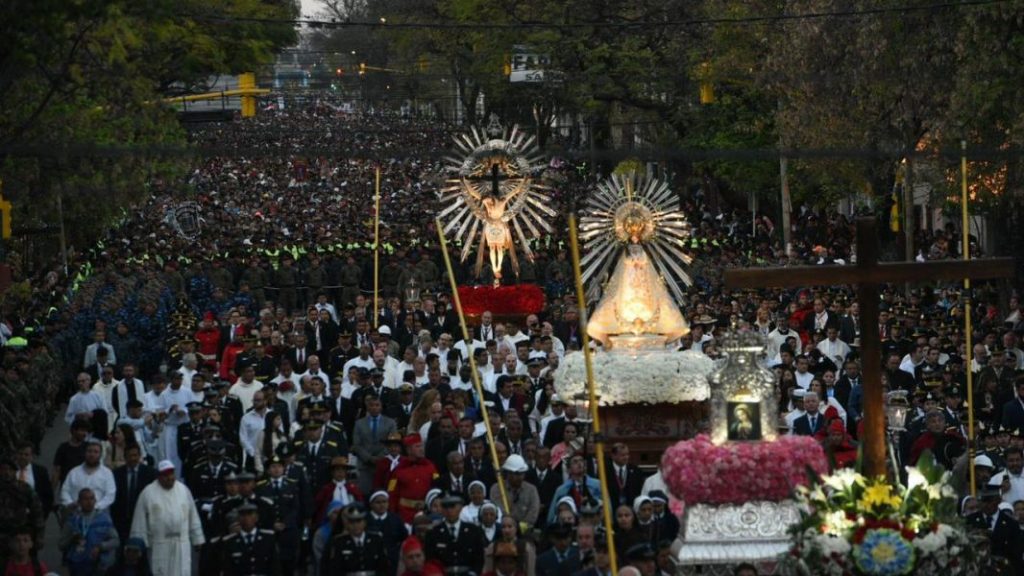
<point>236,404</point>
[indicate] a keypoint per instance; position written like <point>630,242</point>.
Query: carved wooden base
<point>650,429</point>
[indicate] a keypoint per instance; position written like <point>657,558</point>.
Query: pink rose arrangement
<point>698,471</point>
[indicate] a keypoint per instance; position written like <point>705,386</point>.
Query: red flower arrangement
<point>502,300</point>
<point>698,471</point>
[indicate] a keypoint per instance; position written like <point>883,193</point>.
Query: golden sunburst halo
<point>627,209</point>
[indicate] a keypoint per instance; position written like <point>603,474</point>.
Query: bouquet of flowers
<point>698,471</point>
<point>501,300</point>
<point>854,525</point>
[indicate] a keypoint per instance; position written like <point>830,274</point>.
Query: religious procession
<point>322,321</point>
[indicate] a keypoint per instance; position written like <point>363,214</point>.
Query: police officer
<point>457,545</point>
<point>355,552</point>
<point>206,479</point>
<point>250,551</point>
<point>286,495</point>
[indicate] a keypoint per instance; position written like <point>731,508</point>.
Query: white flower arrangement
<point>639,377</point>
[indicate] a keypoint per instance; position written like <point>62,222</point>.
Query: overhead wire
<point>622,24</point>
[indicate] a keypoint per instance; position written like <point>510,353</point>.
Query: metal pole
<point>376,251</point>
<point>596,426</point>
<point>63,235</point>
<point>472,362</point>
<point>967,315</point>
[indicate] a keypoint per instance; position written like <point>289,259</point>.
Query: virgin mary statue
<point>636,302</point>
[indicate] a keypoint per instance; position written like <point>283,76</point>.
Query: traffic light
<point>707,88</point>
<point>362,68</point>
<point>5,217</point>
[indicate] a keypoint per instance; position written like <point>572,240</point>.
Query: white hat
<point>983,460</point>
<point>377,494</point>
<point>165,466</point>
<point>385,329</point>
<point>556,399</point>
<point>799,393</point>
<point>515,463</point>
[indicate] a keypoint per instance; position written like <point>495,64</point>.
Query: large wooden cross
<point>867,275</point>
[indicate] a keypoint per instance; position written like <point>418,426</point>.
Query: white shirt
<point>186,376</point>
<point>330,309</point>
<point>465,350</point>
<point>835,350</point>
<point>250,427</point>
<point>1016,491</point>
<point>803,379</point>
<point>358,362</point>
<point>100,480</point>
<point>245,392</point>
<point>776,339</point>
<point>106,391</point>
<point>909,366</point>
<point>123,396</point>
<point>26,475</point>
<point>83,402</point>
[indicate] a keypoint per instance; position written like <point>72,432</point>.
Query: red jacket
<point>209,341</point>
<point>326,494</point>
<point>409,485</point>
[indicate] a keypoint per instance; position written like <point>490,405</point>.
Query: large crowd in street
<point>236,405</point>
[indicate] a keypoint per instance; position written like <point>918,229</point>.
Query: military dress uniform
<point>286,494</point>
<point>459,553</point>
<point>344,556</point>
<point>250,554</point>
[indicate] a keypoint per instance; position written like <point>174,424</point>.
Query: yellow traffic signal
<point>707,89</point>
<point>5,217</point>
<point>362,68</point>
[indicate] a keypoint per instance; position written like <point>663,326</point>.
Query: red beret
<point>412,439</point>
<point>411,544</point>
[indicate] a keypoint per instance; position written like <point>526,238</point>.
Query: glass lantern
<point>744,404</point>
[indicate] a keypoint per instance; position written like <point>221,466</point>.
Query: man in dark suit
<point>1013,411</point>
<point>812,421</point>
<point>129,481</point>
<point>505,400</point>
<point>846,383</point>
<point>485,331</point>
<point>479,464</point>
<point>35,475</point>
<point>545,479</point>
<point>456,544</point>
<point>368,440</point>
<point>625,480</point>
<point>563,557</point>
<point>1002,529</point>
<point>455,479</point>
<point>300,353</point>
<point>820,318</point>
<point>849,326</point>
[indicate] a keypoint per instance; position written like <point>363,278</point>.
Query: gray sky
<point>311,7</point>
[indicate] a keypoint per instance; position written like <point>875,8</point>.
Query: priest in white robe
<point>167,520</point>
